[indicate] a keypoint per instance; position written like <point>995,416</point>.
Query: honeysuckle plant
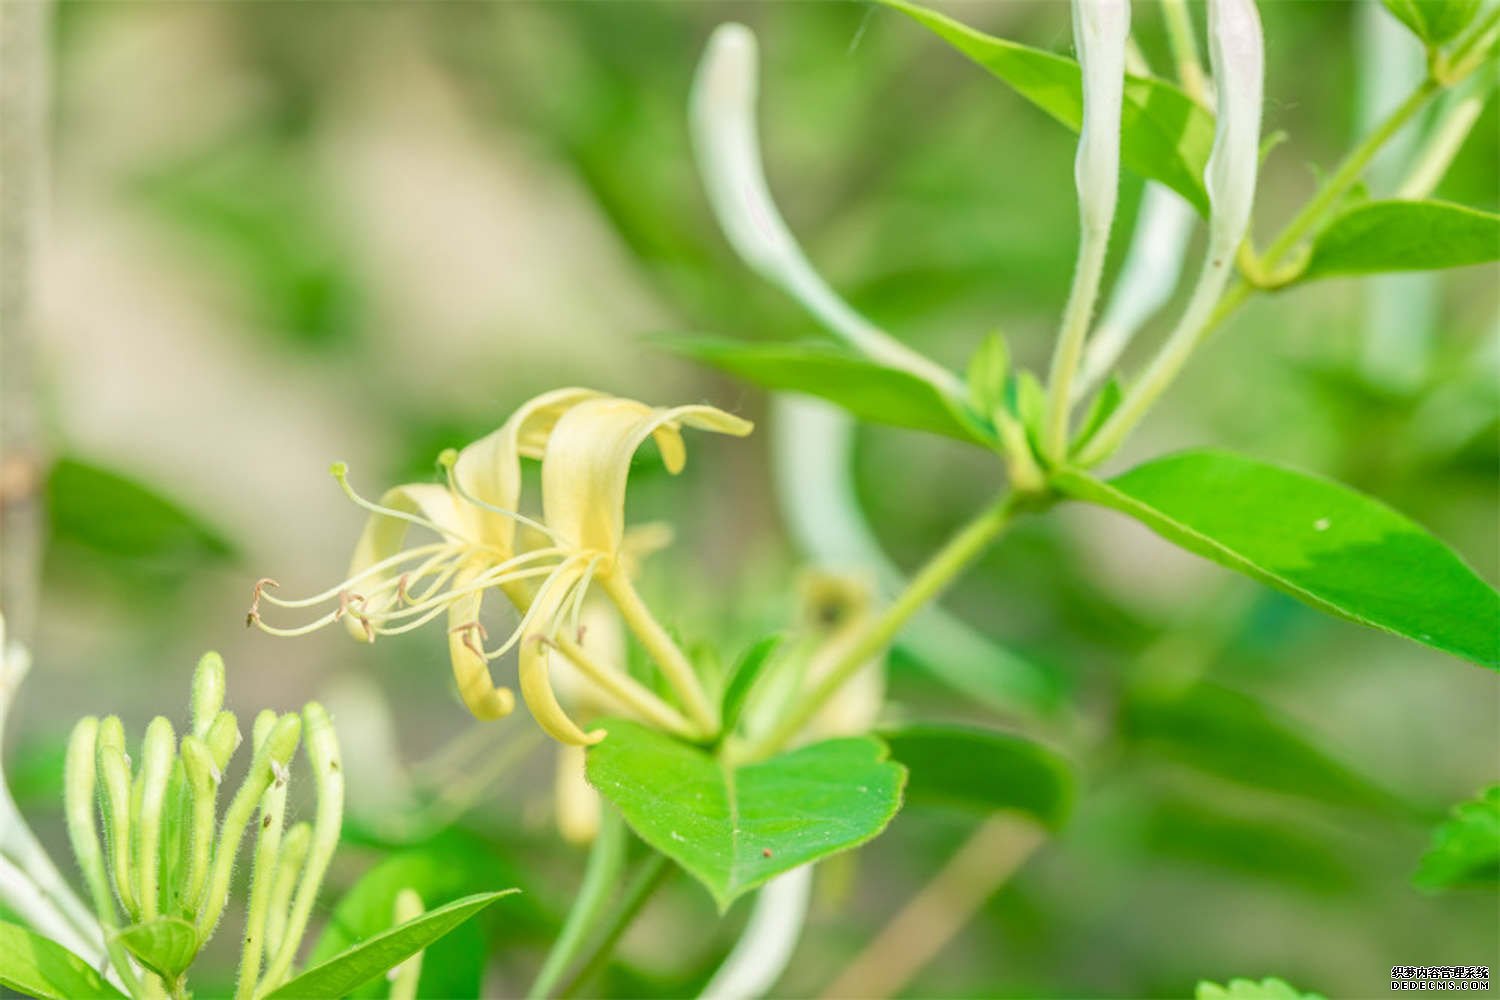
<point>741,741</point>
<point>746,777</point>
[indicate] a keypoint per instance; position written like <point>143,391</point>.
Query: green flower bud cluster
<point>159,859</point>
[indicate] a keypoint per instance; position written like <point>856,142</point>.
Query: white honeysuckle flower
<point>1100,31</point>
<point>726,140</point>
<point>1237,55</point>
<point>1147,279</point>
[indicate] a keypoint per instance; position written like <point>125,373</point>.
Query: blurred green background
<point>284,234</point>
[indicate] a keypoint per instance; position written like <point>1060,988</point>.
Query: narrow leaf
<point>35,966</point>
<point>1335,549</point>
<point>746,672</point>
<point>1404,236</point>
<point>735,827</point>
<point>167,945</point>
<point>980,770</point>
<point>1465,851</point>
<point>371,958</point>
<point>1164,135</point>
<point>868,390</point>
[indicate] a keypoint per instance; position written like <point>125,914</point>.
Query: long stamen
<point>332,592</point>
<point>579,594</point>
<point>537,603</point>
<point>491,577</point>
<point>341,473</point>
<point>448,459</point>
<point>442,607</point>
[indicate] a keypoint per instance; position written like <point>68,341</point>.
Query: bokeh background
<point>284,234</point>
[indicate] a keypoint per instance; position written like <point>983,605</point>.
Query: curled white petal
<point>722,118</point>
<point>1148,276</point>
<point>1237,51</point>
<point>1100,31</point>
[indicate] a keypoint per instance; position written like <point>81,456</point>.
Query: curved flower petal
<point>486,700</point>
<point>489,470</point>
<point>536,684</point>
<point>384,536</point>
<point>587,463</point>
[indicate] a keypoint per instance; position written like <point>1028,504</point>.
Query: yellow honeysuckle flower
<point>586,441</point>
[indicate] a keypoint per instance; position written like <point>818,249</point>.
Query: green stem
<point>1477,35</point>
<point>951,560</point>
<point>1070,339</point>
<point>1348,173</point>
<point>606,859</point>
<point>1173,356</point>
<point>673,662</point>
<point>1185,49</point>
<point>649,877</point>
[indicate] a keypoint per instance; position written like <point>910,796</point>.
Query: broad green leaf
<point>118,517</point>
<point>365,961</point>
<point>35,966</point>
<point>1434,21</point>
<point>1248,989</point>
<point>868,390</point>
<point>733,828</point>
<point>1404,236</point>
<point>981,770</point>
<point>1223,732</point>
<point>1164,136</point>
<point>1335,549</point>
<point>167,945</point>
<point>454,966</point>
<point>1465,851</point>
<point>746,672</point>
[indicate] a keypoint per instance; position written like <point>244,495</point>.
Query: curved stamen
<point>448,459</point>
<point>537,602</point>
<point>341,473</point>
<point>332,592</point>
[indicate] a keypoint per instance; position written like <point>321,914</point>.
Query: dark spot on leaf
<point>765,852</point>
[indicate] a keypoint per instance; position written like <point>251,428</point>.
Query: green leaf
<point>373,957</point>
<point>166,945</point>
<point>1164,135</point>
<point>733,828</point>
<point>1434,21</point>
<point>1248,989</point>
<point>1465,851</point>
<point>118,517</point>
<point>1226,733</point>
<point>1335,549</point>
<point>454,966</point>
<point>1104,404</point>
<point>746,672</point>
<point>981,770</point>
<point>1382,236</point>
<point>868,390</point>
<point>35,966</point>
<point>987,373</point>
